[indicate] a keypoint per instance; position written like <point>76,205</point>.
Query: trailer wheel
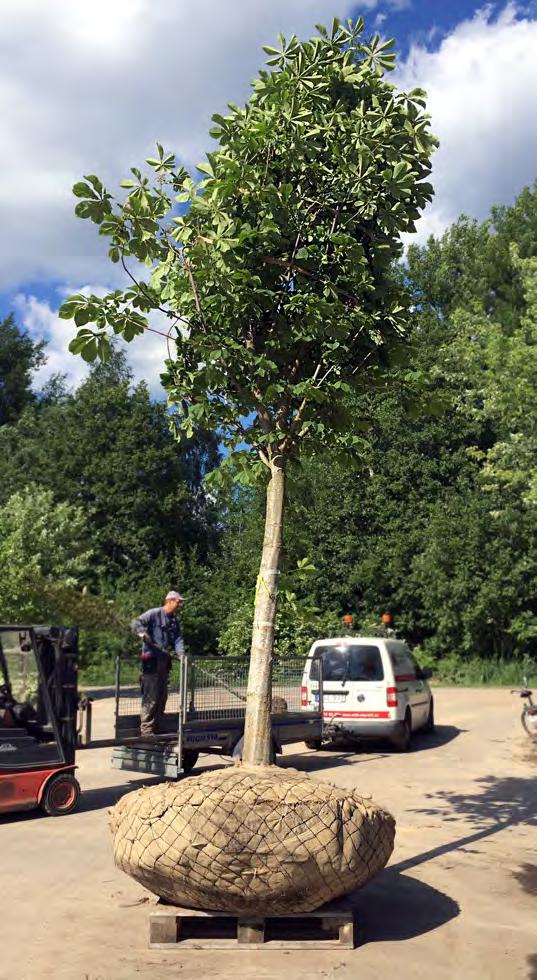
<point>190,757</point>
<point>313,743</point>
<point>61,795</point>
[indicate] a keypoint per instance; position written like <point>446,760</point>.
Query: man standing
<point>161,636</point>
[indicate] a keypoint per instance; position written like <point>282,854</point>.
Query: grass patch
<point>473,672</point>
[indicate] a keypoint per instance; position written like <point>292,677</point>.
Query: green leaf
<point>89,351</point>
<point>82,189</point>
<point>81,317</point>
<point>83,210</point>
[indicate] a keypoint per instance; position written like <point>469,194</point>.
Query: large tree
<point>276,280</point>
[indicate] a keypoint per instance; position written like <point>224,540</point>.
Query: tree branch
<point>141,285</point>
<point>193,286</point>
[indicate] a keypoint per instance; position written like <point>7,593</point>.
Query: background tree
<point>42,544</point>
<point>473,263</point>
<point>19,357</point>
<point>280,269</point>
<point>108,448</point>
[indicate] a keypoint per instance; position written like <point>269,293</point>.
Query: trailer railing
<point>209,689</point>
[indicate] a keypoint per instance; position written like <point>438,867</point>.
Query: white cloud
<point>90,86</point>
<point>146,354</point>
<point>481,85</point>
<point>42,323</point>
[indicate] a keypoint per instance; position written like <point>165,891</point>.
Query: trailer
<point>205,712</point>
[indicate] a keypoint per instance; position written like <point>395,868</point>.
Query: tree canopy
<point>277,278</point>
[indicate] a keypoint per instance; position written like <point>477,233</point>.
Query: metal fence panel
<point>217,689</point>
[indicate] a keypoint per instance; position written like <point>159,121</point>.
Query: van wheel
<point>429,725</point>
<point>313,743</point>
<point>401,739</point>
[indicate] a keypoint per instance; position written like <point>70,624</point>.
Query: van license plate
<point>335,697</point>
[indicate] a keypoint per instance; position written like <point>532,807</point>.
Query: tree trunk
<point>257,730</point>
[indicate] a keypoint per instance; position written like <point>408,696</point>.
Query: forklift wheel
<point>61,795</point>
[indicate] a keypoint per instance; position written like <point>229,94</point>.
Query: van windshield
<point>348,662</point>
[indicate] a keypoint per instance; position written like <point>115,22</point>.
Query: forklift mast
<point>57,651</point>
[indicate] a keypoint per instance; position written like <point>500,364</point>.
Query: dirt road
<point>457,901</point>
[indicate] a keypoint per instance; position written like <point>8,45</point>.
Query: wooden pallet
<point>172,927</point>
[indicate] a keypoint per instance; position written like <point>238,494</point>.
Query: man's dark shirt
<point>162,629</point>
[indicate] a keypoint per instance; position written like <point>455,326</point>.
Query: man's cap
<point>174,595</point>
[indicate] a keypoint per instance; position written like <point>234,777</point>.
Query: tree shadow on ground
<point>499,803</point>
<point>526,876</point>
<point>396,907</point>
<point>506,801</point>
<point>532,967</point>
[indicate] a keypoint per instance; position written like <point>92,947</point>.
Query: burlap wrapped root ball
<point>250,840</point>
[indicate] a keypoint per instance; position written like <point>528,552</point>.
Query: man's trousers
<point>154,684</point>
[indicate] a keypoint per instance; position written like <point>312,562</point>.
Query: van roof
<point>355,638</point>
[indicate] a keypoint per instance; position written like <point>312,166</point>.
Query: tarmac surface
<point>458,899</point>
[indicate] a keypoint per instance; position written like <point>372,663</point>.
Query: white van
<point>372,688</point>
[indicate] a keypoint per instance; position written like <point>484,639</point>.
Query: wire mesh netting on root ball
<point>263,840</point>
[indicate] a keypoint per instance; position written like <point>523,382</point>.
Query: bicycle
<point>529,711</point>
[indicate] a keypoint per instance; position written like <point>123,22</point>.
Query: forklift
<point>38,719</point>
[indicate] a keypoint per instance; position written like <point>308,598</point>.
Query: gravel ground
<point>458,899</point>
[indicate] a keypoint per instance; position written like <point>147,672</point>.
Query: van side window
<point>404,667</point>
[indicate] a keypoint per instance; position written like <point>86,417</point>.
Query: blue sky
<point>89,87</point>
<point>427,21</point>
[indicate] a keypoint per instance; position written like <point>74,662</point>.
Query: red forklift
<point>38,719</point>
